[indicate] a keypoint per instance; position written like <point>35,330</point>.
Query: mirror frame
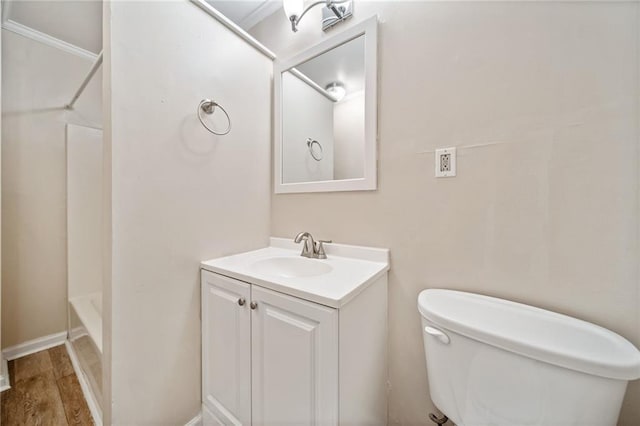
<point>368,28</point>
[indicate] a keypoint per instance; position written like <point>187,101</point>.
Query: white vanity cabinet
<point>294,360</point>
<point>268,357</point>
<point>226,348</point>
<point>278,357</point>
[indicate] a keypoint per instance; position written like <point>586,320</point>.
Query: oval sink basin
<point>291,267</point>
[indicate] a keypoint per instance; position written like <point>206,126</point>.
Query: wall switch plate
<point>445,162</point>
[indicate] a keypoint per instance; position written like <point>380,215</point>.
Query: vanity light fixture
<point>336,90</point>
<point>335,11</point>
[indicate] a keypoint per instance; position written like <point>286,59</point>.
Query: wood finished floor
<point>44,392</point>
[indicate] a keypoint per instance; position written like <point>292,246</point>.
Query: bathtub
<point>85,344</point>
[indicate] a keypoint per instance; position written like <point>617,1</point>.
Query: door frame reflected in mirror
<point>369,29</point>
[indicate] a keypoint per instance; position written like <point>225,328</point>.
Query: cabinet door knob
<point>253,305</point>
<point>241,301</point>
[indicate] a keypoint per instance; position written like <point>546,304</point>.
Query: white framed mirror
<point>325,115</point>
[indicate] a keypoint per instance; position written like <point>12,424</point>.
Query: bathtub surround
<point>84,210</point>
<point>92,398</point>
<point>34,211</point>
<point>84,259</point>
<point>84,344</point>
<point>533,95</point>
<point>177,194</point>
<point>34,175</point>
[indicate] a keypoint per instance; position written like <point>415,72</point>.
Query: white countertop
<point>353,269</point>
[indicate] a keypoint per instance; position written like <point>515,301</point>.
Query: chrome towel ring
<point>310,143</point>
<point>208,107</point>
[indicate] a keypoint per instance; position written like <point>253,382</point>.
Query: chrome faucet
<point>311,249</point>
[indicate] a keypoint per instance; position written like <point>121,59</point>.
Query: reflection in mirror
<point>323,112</point>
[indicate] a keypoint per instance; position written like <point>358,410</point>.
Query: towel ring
<point>310,143</point>
<point>209,106</point>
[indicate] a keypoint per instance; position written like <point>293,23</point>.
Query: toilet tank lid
<point>533,332</point>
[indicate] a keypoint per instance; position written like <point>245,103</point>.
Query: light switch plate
<point>445,162</point>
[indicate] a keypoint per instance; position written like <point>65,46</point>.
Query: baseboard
<point>94,408</point>
<point>196,421</point>
<point>4,376</point>
<point>35,345</point>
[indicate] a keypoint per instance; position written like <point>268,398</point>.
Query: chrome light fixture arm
<point>295,20</point>
<point>330,4</point>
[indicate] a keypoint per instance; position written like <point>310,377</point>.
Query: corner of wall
<point>106,226</point>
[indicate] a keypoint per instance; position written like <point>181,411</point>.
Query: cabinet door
<point>226,349</point>
<point>294,360</point>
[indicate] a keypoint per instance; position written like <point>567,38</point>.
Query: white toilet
<point>492,362</point>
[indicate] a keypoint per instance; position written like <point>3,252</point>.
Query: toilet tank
<point>500,363</point>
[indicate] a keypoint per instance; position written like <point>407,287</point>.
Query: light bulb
<point>293,7</point>
<point>336,90</point>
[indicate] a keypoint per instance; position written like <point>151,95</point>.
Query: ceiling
<point>344,64</point>
<point>78,23</point>
<point>246,13</point>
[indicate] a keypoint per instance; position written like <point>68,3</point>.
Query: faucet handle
<point>320,254</point>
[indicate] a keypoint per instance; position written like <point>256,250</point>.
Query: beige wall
<point>179,194</point>
<point>539,98</point>
<point>38,81</point>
